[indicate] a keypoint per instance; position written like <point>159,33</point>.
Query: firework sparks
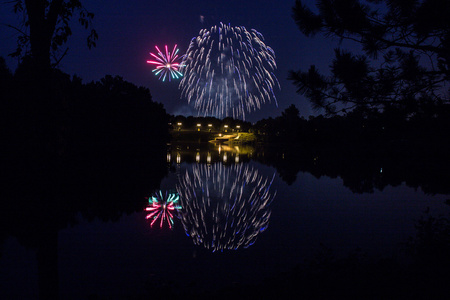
<point>228,71</point>
<point>162,208</point>
<point>224,207</point>
<point>167,65</point>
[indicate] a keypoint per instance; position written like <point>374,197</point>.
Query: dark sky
<point>129,29</point>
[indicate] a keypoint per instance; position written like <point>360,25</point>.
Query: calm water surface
<point>229,200</point>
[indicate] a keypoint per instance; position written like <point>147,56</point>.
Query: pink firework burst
<point>162,208</point>
<point>166,63</point>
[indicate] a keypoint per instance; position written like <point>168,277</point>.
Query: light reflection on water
<point>224,207</point>
<point>210,154</point>
<point>117,258</point>
<point>225,203</point>
<point>314,209</point>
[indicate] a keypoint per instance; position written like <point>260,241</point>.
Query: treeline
<point>111,113</point>
<point>390,127</point>
<point>368,151</point>
<point>360,126</point>
<point>97,147</point>
<point>71,149</point>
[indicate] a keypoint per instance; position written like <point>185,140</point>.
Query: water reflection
<point>162,208</point>
<point>224,207</point>
<point>209,153</point>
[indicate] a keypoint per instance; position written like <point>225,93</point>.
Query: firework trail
<point>166,63</point>
<point>162,208</point>
<point>228,71</point>
<point>224,207</point>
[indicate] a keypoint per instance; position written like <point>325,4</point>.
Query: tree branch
<point>52,16</point>
<point>62,56</point>
<point>15,28</point>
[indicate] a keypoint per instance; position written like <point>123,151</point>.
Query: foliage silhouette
<point>367,152</point>
<point>405,62</point>
<point>97,153</point>
<point>45,28</point>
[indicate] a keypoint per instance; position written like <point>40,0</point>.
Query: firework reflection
<point>224,207</point>
<point>162,208</point>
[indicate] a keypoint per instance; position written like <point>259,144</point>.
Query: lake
<point>244,215</point>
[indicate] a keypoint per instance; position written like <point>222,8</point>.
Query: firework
<point>166,63</point>
<point>228,71</point>
<point>224,207</point>
<point>162,208</point>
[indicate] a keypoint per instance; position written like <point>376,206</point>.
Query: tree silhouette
<point>45,29</point>
<point>405,61</point>
<point>111,155</point>
<point>39,98</point>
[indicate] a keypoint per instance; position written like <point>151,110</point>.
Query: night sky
<point>129,30</point>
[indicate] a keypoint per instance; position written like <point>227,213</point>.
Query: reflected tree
<point>71,149</point>
<point>114,156</point>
